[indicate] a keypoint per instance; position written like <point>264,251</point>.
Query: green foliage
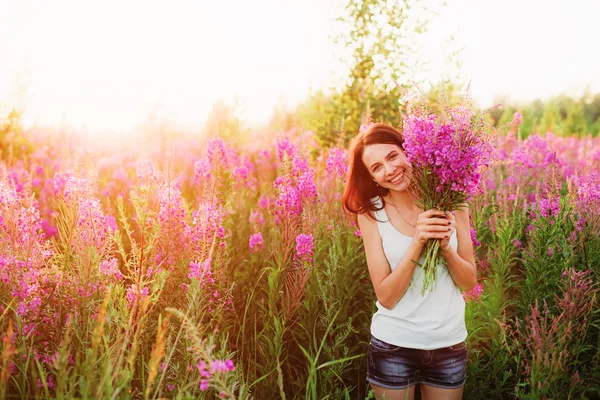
<point>562,115</point>
<point>378,38</point>
<point>14,144</point>
<point>547,255</point>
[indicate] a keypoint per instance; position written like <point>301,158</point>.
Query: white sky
<point>105,65</point>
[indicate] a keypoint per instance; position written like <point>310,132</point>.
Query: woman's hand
<point>435,224</point>
<point>452,227</point>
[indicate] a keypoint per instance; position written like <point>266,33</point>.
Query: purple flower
<point>517,118</point>
<point>290,200</point>
<point>256,242</point>
<point>111,268</point>
<point>473,294</point>
<point>201,271</point>
<point>265,202</point>
<point>306,185</point>
<point>284,146</point>
<point>455,152</point>
<point>448,153</point>
<point>112,222</point>
<point>304,247</point>
<point>549,208</point>
<point>204,384</point>
<point>474,238</point>
<point>256,218</point>
<point>145,169</point>
<point>240,173</point>
<point>202,168</point>
<point>217,152</point>
<point>364,127</point>
<point>135,294</point>
<point>336,163</point>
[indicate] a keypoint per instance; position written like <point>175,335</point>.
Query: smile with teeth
<point>398,178</point>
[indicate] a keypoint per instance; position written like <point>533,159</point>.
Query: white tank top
<point>427,322</point>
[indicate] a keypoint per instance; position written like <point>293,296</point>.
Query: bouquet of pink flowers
<point>448,151</point>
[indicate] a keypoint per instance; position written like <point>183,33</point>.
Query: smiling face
<point>387,165</point>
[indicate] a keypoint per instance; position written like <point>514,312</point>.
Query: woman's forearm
<point>463,273</point>
<point>396,283</point>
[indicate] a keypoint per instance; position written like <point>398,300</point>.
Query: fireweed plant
<point>230,271</point>
<point>448,148</point>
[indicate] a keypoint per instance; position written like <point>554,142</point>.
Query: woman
<point>415,338</point>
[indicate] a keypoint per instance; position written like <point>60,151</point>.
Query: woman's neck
<point>402,200</point>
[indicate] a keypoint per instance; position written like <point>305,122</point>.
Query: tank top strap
<point>380,215</point>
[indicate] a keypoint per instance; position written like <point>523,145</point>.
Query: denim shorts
<point>395,367</point>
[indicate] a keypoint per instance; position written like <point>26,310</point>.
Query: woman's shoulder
<point>373,216</point>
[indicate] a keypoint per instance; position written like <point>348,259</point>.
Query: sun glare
<point>106,66</point>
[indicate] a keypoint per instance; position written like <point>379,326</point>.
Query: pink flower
<point>203,368</point>
<point>204,384</point>
<point>473,294</point>
<point>474,238</point>
<point>112,222</point>
<point>202,169</point>
<point>240,173</point>
<point>549,207</point>
<point>517,118</point>
<point>256,242</point>
<point>111,268</point>
<point>304,247</point>
<point>364,127</point>
<point>336,163</point>
<point>201,271</point>
<point>285,147</point>
<point>145,169</point>
<point>256,218</point>
<point>135,294</point>
<point>265,202</point>
<point>550,251</point>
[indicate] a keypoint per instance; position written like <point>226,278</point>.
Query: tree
<point>378,36</point>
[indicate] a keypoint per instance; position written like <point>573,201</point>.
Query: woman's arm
<point>389,286</point>
<point>461,262</point>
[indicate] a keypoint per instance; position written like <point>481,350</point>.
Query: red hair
<point>360,187</point>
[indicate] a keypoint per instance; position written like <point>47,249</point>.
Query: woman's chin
<point>401,187</point>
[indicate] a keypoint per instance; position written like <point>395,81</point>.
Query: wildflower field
<point>206,269</point>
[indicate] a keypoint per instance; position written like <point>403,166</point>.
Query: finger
<point>436,235</point>
<point>433,212</point>
<point>437,228</point>
<point>436,221</point>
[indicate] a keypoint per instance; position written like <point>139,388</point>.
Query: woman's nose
<point>389,169</point>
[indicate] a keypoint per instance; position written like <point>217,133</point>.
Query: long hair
<point>360,187</point>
